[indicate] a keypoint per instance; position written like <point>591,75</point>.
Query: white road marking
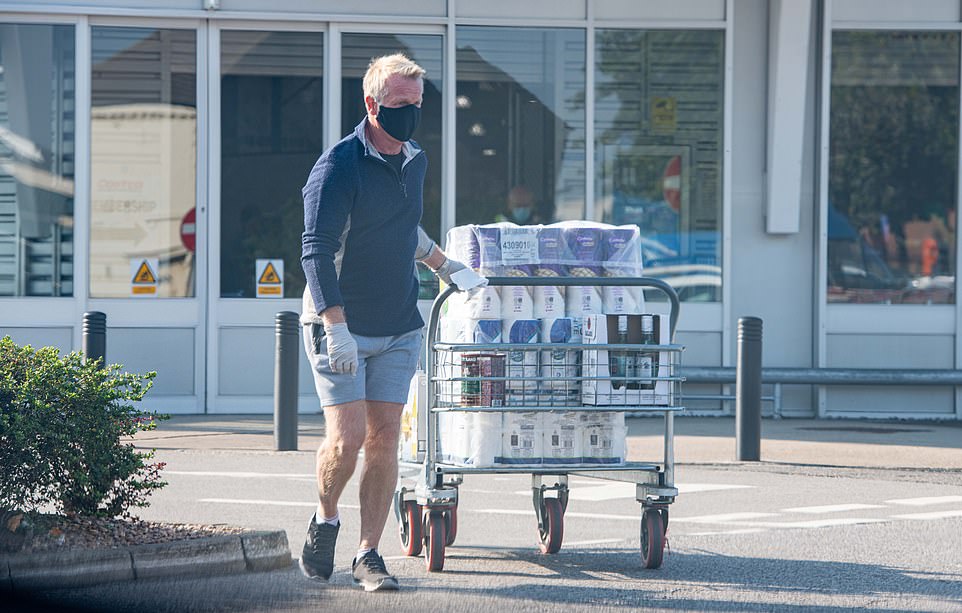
<point>817,523</point>
<point>921,502</point>
<point>567,514</point>
<point>276,503</point>
<point>611,491</point>
<point>932,515</point>
<point>239,474</point>
<point>740,531</point>
<point>833,508</point>
<point>594,542</point>
<point>723,518</point>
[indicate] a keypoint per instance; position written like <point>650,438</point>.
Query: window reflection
<point>143,159</point>
<point>659,112</point>
<point>271,118</point>
<point>893,167</point>
<point>520,125</point>
<point>36,160</point>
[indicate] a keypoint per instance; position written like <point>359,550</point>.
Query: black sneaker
<point>317,557</point>
<point>370,572</point>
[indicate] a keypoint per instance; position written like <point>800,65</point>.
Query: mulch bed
<point>38,533</point>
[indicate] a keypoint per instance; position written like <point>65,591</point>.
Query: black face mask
<point>400,122</point>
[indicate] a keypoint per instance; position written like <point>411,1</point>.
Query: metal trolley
<point>427,514</point>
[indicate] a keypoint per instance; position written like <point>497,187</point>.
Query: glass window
<point>659,113</point>
<point>143,161</point>
<point>893,167</point>
<point>271,120</point>
<point>36,160</point>
<point>520,124</point>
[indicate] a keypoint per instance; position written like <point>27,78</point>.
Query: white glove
<point>341,349</point>
<point>453,272</point>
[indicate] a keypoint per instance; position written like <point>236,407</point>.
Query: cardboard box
<point>606,390</point>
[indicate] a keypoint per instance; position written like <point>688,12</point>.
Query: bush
<point>62,425</point>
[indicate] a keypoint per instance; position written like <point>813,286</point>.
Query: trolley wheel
<point>652,538</point>
<point>451,525</point>
<point>410,528</point>
<point>552,529</point>
<point>434,540</point>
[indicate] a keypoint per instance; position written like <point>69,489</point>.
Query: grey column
<point>94,337</point>
<point>286,328</point>
<point>748,390</point>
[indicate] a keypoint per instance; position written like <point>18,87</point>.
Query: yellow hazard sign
<point>664,113</point>
<point>269,276</point>
<point>143,276</point>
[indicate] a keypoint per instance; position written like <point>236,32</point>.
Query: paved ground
<point>839,514</point>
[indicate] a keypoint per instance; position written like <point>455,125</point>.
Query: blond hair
<point>381,68</point>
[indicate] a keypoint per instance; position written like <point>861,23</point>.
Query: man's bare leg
<point>344,426</point>
<point>379,474</point>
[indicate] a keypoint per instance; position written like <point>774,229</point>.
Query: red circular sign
<point>188,229</point>
<point>671,183</point>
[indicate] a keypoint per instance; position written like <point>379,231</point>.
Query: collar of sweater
<point>408,148</point>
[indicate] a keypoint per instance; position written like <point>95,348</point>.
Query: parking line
<point>833,508</point>
<point>921,502</point>
<point>932,515</point>
<point>275,503</point>
<point>722,518</point>
<point>530,512</point>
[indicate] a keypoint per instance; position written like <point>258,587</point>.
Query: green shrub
<point>63,425</point>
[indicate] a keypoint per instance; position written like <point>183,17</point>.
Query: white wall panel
<point>85,5</point>
<point>771,274</point>
<point>168,351</point>
<point>895,10</point>
<point>679,9</point>
<point>246,365</point>
<point>890,351</point>
<point>889,401</point>
<point>61,338</point>
<point>701,348</point>
<point>530,9</point>
<point>421,8</point>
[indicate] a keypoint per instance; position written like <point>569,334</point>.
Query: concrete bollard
<point>286,328</point>
<point>94,337</point>
<point>748,390</point>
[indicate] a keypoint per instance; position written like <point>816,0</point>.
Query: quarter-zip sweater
<point>361,221</point>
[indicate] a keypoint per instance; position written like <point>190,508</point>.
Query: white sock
<point>320,519</point>
<point>363,552</point>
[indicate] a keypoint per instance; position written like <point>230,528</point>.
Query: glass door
<point>146,255</point>
<point>268,106</point>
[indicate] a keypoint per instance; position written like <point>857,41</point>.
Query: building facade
<point>795,160</point>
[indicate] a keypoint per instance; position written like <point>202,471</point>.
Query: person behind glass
<point>521,208</point>
<point>362,329</point>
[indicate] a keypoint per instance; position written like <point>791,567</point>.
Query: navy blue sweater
<point>360,233</point>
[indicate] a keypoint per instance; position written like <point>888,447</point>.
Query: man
<point>362,329</point>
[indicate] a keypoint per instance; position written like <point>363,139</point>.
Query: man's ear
<point>370,105</point>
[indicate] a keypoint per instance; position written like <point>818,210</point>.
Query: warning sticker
<point>143,276</point>
<point>269,276</point>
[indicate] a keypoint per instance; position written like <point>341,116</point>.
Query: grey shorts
<point>385,367</point>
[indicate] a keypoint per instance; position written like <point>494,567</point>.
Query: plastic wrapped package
<point>549,301</point>
<point>622,258</point>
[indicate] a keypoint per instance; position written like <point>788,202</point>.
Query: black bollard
<point>286,329</point>
<point>748,390</point>
<point>94,336</point>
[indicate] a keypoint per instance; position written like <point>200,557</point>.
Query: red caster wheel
<point>434,540</point>
<point>552,528</point>
<point>451,525</point>
<point>652,538</point>
<point>412,535</point>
